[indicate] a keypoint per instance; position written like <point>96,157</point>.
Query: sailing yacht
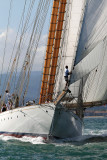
<point>77,38</point>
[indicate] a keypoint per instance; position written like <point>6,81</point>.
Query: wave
<point>89,136</point>
<point>94,132</point>
<point>36,140</point>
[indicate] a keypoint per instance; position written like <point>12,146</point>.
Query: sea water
<point>91,146</point>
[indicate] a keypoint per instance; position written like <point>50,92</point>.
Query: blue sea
<point>92,145</point>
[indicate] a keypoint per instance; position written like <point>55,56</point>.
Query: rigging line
<point>30,69</point>
<point>32,63</point>
<point>63,45</point>
<point>14,46</point>
<point>17,55</point>
<point>15,74</point>
<point>32,34</point>
<point>24,28</point>
<point>49,56</point>
<point>52,52</point>
<point>24,13</point>
<point>33,119</point>
<point>6,39</point>
<point>18,49</point>
<point>42,64</point>
<point>34,53</point>
<point>27,83</point>
<point>37,13</point>
<point>30,24</point>
<point>63,53</point>
<point>80,25</point>
<point>45,111</point>
<point>33,41</point>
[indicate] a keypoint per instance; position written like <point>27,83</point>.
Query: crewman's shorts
<point>66,78</point>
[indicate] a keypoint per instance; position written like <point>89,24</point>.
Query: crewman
<point>67,73</point>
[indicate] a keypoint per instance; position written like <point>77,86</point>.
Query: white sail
<point>94,27</point>
<point>91,57</point>
<point>70,36</point>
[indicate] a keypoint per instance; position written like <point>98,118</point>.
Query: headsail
<point>91,54</point>
<point>70,37</point>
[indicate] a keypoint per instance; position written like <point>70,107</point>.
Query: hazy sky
<point>15,16</point>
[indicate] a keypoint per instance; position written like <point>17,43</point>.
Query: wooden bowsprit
<point>61,96</point>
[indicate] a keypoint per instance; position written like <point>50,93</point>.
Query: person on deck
<point>9,97</point>
<point>15,100</point>
<point>9,105</point>
<point>3,109</point>
<point>67,73</point>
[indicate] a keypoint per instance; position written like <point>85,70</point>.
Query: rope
<point>18,52</point>
<point>62,53</point>
<point>33,40</point>
<point>6,39</point>
<point>22,17</point>
<point>17,55</point>
<point>36,48</point>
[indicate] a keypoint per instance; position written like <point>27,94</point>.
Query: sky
<point>14,19</point>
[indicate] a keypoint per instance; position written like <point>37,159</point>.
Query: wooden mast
<point>50,43</point>
<point>56,48</point>
<point>52,51</point>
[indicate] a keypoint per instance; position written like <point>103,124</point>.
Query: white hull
<point>38,121</point>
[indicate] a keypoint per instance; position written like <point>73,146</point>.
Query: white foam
<point>87,134</point>
<point>36,140</point>
<point>94,132</point>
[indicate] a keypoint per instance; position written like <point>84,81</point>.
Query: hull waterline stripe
<point>19,135</point>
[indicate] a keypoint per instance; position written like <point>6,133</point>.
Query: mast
<point>56,48</point>
<point>52,51</point>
